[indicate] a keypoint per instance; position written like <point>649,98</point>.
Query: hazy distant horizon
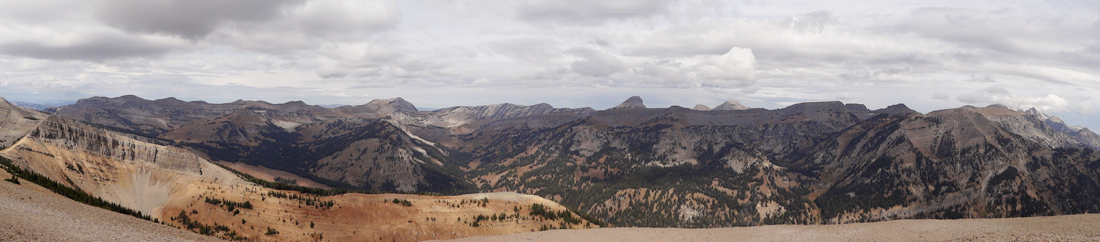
<point>929,55</point>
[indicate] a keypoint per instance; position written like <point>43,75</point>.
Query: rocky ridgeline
<point>15,122</point>
<point>73,136</point>
<point>819,162</point>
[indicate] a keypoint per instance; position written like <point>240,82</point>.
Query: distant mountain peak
<point>701,107</point>
<point>632,102</point>
<point>130,96</point>
<point>398,104</point>
<point>296,103</point>
<point>731,105</point>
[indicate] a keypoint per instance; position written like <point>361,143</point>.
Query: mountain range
<point>808,163</point>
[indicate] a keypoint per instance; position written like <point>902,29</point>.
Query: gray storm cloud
<point>188,19</point>
<point>589,12</point>
<point>594,63</point>
<point>93,49</point>
<point>927,54</point>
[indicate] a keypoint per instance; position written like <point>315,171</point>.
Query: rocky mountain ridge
<point>822,162</point>
<point>170,184</point>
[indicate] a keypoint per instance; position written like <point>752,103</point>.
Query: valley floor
<point>29,212</point>
<point>1056,228</point>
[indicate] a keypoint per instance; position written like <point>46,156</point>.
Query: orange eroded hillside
<point>360,217</point>
<point>185,190</point>
<point>269,174</point>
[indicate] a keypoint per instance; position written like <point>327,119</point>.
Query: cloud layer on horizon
<point>929,55</point>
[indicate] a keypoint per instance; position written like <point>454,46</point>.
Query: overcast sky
<point>927,54</point>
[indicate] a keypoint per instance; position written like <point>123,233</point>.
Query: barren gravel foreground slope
<point>1084,227</point>
<point>29,212</point>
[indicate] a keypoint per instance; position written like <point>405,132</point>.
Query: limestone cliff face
<point>69,135</point>
<point>127,170</point>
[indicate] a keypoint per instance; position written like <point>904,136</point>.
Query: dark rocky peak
<point>131,98</point>
<point>898,109</point>
<point>817,106</point>
<point>856,107</point>
<point>176,103</point>
<point>295,103</point>
<point>100,100</point>
<point>730,105</point>
<point>632,102</point>
<point>169,100</point>
<point>701,107</point>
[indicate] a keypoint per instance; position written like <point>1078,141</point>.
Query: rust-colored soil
<point>29,212</point>
<point>269,174</point>
<point>1056,228</point>
<point>363,217</point>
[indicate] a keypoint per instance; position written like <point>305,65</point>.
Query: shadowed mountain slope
<point>820,162</point>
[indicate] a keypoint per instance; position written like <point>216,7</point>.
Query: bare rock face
<point>701,107</point>
<point>463,117</point>
<point>127,170</point>
<point>632,102</point>
<point>15,122</point>
<point>955,163</point>
<point>730,105</point>
<point>1081,134</point>
<point>378,108</point>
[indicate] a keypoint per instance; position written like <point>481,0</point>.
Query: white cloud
<point>1000,95</point>
<point>594,63</point>
<point>941,96</point>
<point>345,95</point>
<point>930,54</point>
<point>535,50</point>
<point>735,68</point>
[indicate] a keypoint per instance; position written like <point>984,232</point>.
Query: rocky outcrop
<point>956,163</point>
<point>632,102</point>
<point>1081,134</point>
<point>15,122</point>
<point>378,108</point>
<point>72,136</point>
<point>730,105</point>
<point>131,171</point>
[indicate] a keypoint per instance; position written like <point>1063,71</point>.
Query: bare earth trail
<point>1085,227</point>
